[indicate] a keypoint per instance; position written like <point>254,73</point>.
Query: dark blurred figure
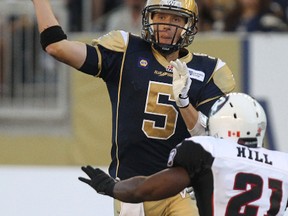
<point>206,19</point>
<point>1,63</point>
<point>127,17</point>
<point>280,8</point>
<point>75,15</point>
<point>23,50</point>
<point>253,16</point>
<point>212,14</point>
<point>98,9</point>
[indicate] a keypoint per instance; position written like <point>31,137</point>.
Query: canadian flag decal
<point>233,133</point>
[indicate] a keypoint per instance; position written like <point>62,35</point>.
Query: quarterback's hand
<point>181,83</point>
<point>99,180</point>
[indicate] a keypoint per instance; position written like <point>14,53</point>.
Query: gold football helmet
<point>184,8</point>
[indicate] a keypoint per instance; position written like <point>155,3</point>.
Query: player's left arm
<point>137,189</point>
<point>181,85</point>
<point>195,120</point>
<point>221,82</point>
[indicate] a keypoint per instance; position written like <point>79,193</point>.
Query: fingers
<point>91,172</point>
<point>176,75</point>
<point>88,170</point>
<point>183,70</point>
<point>179,67</point>
<point>173,63</point>
<point>177,64</point>
<point>87,181</point>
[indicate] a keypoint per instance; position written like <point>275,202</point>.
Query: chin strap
<point>165,49</point>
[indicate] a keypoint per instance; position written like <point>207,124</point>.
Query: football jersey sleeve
<point>111,50</point>
<point>114,40</point>
<point>192,156</point>
<point>212,78</point>
<point>104,57</point>
<point>223,77</point>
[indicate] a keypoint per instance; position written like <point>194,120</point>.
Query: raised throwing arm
<point>54,40</point>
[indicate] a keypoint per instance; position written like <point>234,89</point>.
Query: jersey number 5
<point>241,201</point>
<point>155,107</point>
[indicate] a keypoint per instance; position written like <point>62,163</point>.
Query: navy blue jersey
<point>231,179</point>
<point>146,120</point>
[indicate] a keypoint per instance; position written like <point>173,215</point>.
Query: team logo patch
<point>143,63</point>
<point>196,74</point>
<point>171,2</point>
<point>169,68</point>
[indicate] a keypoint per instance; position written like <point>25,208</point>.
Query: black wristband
<point>181,97</point>
<point>51,35</point>
<point>183,107</point>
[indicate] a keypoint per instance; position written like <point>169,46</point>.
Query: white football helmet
<point>184,8</point>
<point>239,117</point>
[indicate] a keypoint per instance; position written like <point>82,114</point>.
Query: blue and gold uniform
<point>146,121</point>
<point>138,74</point>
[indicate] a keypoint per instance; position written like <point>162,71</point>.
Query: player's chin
<point>167,41</point>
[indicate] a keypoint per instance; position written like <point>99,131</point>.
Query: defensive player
<point>230,171</point>
<point>138,74</point>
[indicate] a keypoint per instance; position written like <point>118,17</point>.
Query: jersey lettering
<point>253,155</point>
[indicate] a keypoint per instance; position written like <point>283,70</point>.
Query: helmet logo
<point>171,2</point>
<point>261,127</point>
<point>233,133</point>
<point>218,105</point>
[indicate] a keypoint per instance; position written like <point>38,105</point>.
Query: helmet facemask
<point>150,29</point>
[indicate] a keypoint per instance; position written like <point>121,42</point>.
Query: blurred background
<point>54,119</point>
